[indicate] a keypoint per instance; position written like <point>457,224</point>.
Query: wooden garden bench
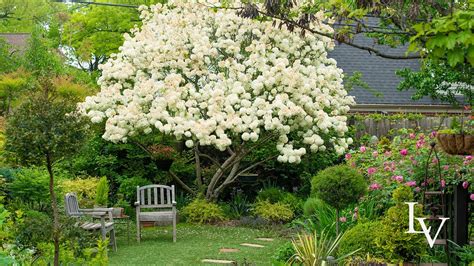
<point>73,210</point>
<point>160,200</point>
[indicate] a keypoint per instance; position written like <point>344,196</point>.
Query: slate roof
<point>378,73</point>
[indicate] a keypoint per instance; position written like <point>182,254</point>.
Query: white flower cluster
<point>212,77</point>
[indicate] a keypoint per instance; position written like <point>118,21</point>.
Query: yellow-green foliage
<point>85,188</point>
<point>200,211</point>
<point>273,212</point>
<point>66,87</point>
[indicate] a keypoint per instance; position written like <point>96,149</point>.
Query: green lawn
<point>194,244</point>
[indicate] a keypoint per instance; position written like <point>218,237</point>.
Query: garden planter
<point>164,164</point>
<point>148,223</point>
<point>457,144</point>
<point>117,212</point>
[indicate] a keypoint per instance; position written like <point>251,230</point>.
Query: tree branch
<point>181,183</point>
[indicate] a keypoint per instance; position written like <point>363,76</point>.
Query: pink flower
<point>343,219</point>
<point>388,153</point>
<point>472,196</point>
<point>465,184</point>
<point>348,156</point>
<point>433,134</point>
<point>446,167</point>
<point>417,189</point>
<point>397,178</point>
<point>468,158</point>
<point>371,170</point>
<point>443,183</point>
<point>375,186</point>
<point>412,135</point>
<point>423,184</point>
<point>362,149</point>
<point>434,160</point>
<point>375,154</point>
<point>414,162</point>
<point>411,183</point>
<point>420,143</point>
<point>404,152</point>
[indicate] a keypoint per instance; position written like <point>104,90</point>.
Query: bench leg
<point>174,229</point>
<point>113,239</point>
<point>138,230</point>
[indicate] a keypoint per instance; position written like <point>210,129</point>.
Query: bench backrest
<point>71,204</point>
<point>155,196</point>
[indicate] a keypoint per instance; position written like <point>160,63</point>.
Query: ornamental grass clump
<point>209,77</point>
<point>339,186</point>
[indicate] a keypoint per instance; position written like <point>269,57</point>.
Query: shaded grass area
<point>195,243</point>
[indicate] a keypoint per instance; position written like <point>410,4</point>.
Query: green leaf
<point>470,54</point>
<point>455,57</point>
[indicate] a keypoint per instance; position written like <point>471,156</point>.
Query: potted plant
<point>102,193</point>
<point>119,207</point>
<point>459,139</point>
<point>162,155</point>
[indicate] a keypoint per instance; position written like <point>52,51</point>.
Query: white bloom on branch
<point>211,77</point>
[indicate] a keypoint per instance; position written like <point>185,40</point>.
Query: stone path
<point>228,250</point>
<point>264,239</point>
<point>225,262</point>
<point>252,245</point>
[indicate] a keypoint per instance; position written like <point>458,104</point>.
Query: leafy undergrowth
<point>194,243</point>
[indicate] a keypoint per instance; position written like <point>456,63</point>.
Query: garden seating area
<point>150,132</point>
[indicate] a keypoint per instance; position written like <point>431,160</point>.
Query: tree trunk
<point>54,205</point>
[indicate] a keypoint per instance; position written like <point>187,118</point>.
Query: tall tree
<point>226,86</point>
<point>96,31</point>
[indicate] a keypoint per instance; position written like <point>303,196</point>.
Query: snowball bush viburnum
<point>209,76</point>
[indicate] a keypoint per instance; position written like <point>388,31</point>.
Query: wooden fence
<point>382,127</point>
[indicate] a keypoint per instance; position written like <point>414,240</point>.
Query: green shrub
<point>271,194</point>
<point>85,189</point>
<point>273,212</point>
<point>295,203</point>
<point>275,195</point>
<point>339,186</point>
<point>200,211</point>
<point>35,228</point>
<point>102,194</point>
<point>312,205</point>
<point>30,186</point>
<point>128,187</point>
<point>284,252</point>
<point>362,236</point>
<point>391,238</point>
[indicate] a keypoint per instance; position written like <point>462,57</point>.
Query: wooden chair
<point>73,210</point>
<point>156,197</point>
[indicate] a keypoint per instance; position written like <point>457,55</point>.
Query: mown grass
<point>194,244</point>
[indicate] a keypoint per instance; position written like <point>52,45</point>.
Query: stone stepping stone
<point>228,250</point>
<point>264,239</point>
<point>225,262</point>
<point>252,245</point>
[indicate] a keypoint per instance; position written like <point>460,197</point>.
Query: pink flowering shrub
<point>404,161</point>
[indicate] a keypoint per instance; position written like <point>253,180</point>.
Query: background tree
<point>94,32</point>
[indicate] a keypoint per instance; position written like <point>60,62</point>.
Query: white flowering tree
<point>212,78</point>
